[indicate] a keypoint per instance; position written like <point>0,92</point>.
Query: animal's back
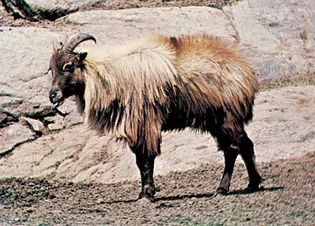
<point>211,58</point>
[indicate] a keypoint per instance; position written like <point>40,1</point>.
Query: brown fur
<point>166,83</point>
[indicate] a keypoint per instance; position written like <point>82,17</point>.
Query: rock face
<point>14,135</point>
<point>277,37</point>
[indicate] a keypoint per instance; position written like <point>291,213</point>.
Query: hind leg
<point>233,140</point>
<point>248,156</point>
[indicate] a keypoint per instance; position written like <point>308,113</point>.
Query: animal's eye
<point>68,67</point>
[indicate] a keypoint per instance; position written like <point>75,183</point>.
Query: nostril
<point>52,94</point>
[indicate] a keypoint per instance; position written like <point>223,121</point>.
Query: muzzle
<point>56,97</point>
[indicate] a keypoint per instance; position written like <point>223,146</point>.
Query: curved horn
<point>74,40</point>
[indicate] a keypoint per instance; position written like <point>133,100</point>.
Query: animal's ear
<point>83,56</point>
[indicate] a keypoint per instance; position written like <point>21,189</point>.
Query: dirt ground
<point>184,198</point>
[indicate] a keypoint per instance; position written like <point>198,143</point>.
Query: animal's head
<point>67,69</point>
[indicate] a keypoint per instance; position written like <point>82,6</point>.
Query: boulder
<point>13,136</point>
<point>277,36</point>
<point>46,144</point>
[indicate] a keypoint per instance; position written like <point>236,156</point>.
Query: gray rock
<point>276,44</point>
<point>115,26</point>
<point>252,34</point>
<point>56,126</point>
<point>54,9</point>
<point>12,136</point>
<point>36,125</point>
<point>287,19</point>
<point>24,85</point>
<point>270,33</point>
<point>25,57</point>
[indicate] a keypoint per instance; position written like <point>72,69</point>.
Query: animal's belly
<point>205,121</point>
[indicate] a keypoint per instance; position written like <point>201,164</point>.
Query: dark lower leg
<point>248,155</point>
<point>229,158</point>
<point>145,164</point>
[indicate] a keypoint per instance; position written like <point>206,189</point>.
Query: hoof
<point>146,197</point>
<point>145,201</point>
<point>252,187</point>
<point>147,194</point>
<point>221,192</point>
<point>254,184</point>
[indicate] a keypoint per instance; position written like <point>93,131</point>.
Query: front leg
<point>145,163</point>
<point>230,156</point>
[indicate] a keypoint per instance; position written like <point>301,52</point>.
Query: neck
<point>79,98</point>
